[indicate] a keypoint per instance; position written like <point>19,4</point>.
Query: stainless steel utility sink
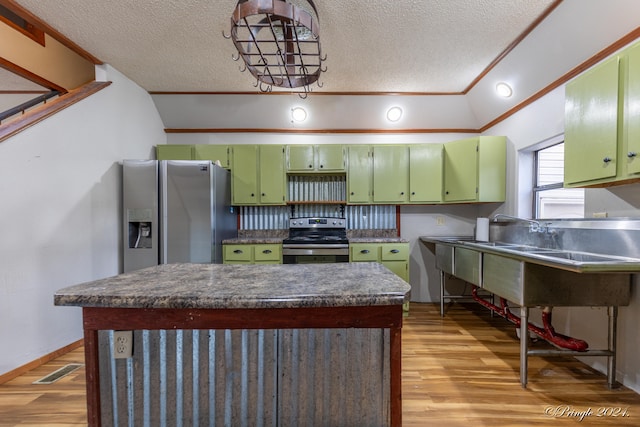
<point>585,257</point>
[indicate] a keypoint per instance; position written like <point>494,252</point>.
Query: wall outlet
<point>440,220</point>
<point>122,344</point>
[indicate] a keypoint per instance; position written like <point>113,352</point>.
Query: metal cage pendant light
<point>279,43</point>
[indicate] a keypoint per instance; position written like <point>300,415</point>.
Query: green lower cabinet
<point>268,253</point>
<point>394,256</point>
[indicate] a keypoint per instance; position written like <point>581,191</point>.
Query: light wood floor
<point>460,370</point>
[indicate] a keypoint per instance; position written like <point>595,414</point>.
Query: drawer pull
<point>364,251</point>
<point>237,251</point>
<point>266,251</point>
<point>607,159</point>
<point>394,251</point>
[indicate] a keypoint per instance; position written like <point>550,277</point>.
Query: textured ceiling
<point>371,46</point>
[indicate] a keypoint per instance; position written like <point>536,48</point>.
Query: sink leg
<point>441,293</point>
<point>611,360</point>
<point>524,344</point>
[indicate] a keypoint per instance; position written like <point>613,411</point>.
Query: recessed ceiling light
<point>298,114</point>
<point>504,90</point>
<point>394,114</point>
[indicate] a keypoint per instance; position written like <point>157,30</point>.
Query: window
<point>550,199</point>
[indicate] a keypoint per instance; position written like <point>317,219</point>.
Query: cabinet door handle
<point>607,159</point>
<point>631,154</point>
<point>262,194</point>
<point>321,166</point>
<point>237,251</point>
<point>394,251</point>
<point>266,251</point>
<point>402,193</point>
<point>413,193</point>
<point>364,251</point>
<point>253,195</point>
<point>352,193</point>
<point>310,166</point>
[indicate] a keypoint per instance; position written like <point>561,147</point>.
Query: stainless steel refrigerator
<point>175,211</point>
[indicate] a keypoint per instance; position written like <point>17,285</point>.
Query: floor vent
<point>56,375</point>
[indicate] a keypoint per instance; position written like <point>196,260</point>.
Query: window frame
<point>536,188</point>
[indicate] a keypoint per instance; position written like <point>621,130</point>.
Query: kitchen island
<point>315,344</point>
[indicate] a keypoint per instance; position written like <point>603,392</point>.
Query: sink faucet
<point>534,225</point>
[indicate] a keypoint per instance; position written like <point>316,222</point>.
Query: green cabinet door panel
<point>244,177</point>
<point>300,158</point>
<point>400,268</point>
<point>330,158</point>
<point>632,112</point>
<point>390,173</point>
<point>492,169</point>
<point>272,175</point>
<point>425,173</point>
<point>460,170</point>
<point>359,174</point>
<point>591,124</point>
<point>213,153</point>
<point>174,152</point>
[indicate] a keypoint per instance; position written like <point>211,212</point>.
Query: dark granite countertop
<point>217,286</point>
<point>378,240</point>
<point>253,241</point>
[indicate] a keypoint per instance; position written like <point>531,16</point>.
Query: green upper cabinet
<point>174,152</point>
<point>272,175</point>
<point>359,174</point>
<point>475,169</point>
<point>328,158</point>
<point>602,123</point>
<point>331,158</point>
<point>390,174</point>
<point>244,175</point>
<point>631,147</point>
<point>213,153</point>
<point>460,170</point>
<point>257,175</point>
<point>425,173</point>
<point>300,158</point>
<point>591,125</point>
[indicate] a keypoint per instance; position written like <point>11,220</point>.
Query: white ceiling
<point>433,47</point>
<point>371,46</point>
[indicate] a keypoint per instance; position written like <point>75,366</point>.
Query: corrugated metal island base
<point>222,345</point>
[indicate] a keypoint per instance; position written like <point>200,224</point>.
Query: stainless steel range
<point>316,240</point>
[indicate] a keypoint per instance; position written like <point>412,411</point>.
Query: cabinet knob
<point>364,251</point>
<point>402,193</point>
<point>262,194</point>
<point>607,159</point>
<point>631,154</point>
<point>321,166</point>
<point>394,251</point>
<point>253,195</point>
<point>446,192</point>
<point>352,193</point>
<point>266,251</point>
<point>310,166</point>
<point>413,193</point>
<point>237,251</point>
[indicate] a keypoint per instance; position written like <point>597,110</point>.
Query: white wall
<point>60,217</point>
